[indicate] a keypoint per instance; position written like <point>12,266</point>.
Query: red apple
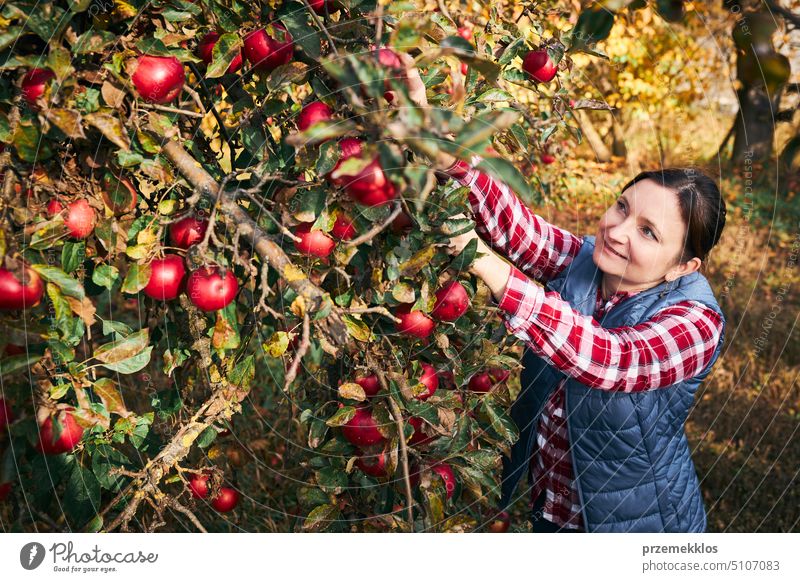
<point>166,278</point>
<point>119,194</point>
<point>414,323</point>
<point>390,60</point>
<point>5,491</point>
<point>158,79</point>
<point>20,294</point>
<point>53,207</point>
<point>430,379</point>
<point>373,465</point>
<point>209,291</point>
<point>226,501</point>
<point>80,220</point>
<point>464,69</point>
<point>343,228</point>
<point>370,186</point>
<point>548,159</point>
<point>484,381</point>
<point>445,471</point>
<point>362,429</point>
<point>419,438</point>
<point>33,84</point>
<point>265,52</point>
<point>370,384</point>
<point>187,231</point>
<point>401,224</point>
<point>6,414</point>
<point>71,434</point>
<point>198,485</point>
<point>452,302</point>
<point>465,33</point>
<point>323,6</point>
<point>314,243</point>
<point>312,113</point>
<point>500,523</point>
<point>205,50</point>
<point>539,66</point>
<point>348,147</point>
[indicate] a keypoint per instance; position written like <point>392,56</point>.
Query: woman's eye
<point>620,204</point>
<point>648,232</point>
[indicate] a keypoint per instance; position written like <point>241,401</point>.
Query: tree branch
<point>332,326</point>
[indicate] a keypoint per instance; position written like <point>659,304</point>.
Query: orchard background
<point>225,297</point>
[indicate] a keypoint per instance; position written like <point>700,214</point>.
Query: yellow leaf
<point>352,391</point>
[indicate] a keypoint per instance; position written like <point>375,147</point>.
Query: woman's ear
<point>682,269</point>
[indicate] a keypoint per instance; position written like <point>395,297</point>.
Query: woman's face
<point>645,227</point>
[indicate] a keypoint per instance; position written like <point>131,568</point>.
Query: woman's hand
<point>488,266</point>
<point>416,88</point>
<point>459,242</point>
<point>418,94</point>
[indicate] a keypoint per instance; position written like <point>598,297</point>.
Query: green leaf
<point>501,423</point>
<point>484,126</point>
<point>122,349</point>
<point>225,50</point>
<point>332,480</point>
<point>463,261</point>
<point>357,328</point>
<point>11,364</point>
<point>321,518</point>
<point>341,417</point>
<point>243,373</point>
<point>137,278</point>
<point>206,437</point>
<point>72,255</point>
<point>82,495</point>
<point>506,172</point>
<point>294,16</point>
<point>105,275</point>
<point>93,41</point>
<point>63,281</point>
<point>28,143</point>
<point>133,364</point>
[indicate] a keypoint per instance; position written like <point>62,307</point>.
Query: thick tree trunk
<point>593,137</point>
<point>754,128</point>
<point>618,147</point>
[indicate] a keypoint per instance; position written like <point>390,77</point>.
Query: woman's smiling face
<point>640,238</point>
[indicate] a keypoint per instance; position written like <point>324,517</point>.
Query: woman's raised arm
<point>536,247</point>
<point>675,344</point>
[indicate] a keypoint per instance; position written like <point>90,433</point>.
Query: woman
<point>617,342</point>
<point>616,347</point>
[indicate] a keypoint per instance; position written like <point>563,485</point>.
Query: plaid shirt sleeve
<point>675,344</point>
<point>538,248</point>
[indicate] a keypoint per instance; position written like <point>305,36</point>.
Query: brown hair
<point>702,207</point>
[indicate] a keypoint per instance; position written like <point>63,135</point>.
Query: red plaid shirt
<point>675,344</point>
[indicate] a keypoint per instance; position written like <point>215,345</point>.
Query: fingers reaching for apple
<point>458,242</point>
<point>416,88</point>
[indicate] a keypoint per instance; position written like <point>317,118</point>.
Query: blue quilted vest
<point>630,455</point>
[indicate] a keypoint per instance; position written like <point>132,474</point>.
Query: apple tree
<point>226,293</point>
